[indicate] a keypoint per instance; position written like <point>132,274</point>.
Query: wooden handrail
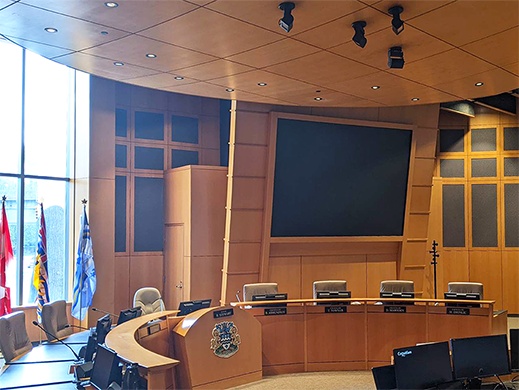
<point>331,300</point>
<point>122,340</point>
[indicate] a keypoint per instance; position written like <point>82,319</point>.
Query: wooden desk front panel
<point>283,339</point>
<point>336,337</point>
<point>387,331</point>
<point>443,327</point>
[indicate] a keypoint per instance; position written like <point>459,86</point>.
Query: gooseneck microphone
<point>105,312</point>
<point>75,326</point>
<point>78,359</point>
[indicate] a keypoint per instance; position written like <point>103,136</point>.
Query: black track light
<point>359,37</point>
<point>287,21</point>
<point>395,57</point>
<point>397,24</point>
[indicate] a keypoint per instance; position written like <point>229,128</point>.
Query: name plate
<point>395,309</point>
<point>336,309</point>
<point>458,311</point>
<point>223,313</point>
<point>276,311</point>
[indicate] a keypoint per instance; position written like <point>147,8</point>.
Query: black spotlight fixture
<point>395,58</point>
<point>397,24</point>
<point>287,21</point>
<point>359,37</point>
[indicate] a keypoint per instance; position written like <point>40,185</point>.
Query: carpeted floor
<point>333,380</point>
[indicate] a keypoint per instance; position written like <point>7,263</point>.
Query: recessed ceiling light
<point>375,87</point>
<point>478,84</point>
<point>118,64</point>
<point>151,55</point>
<point>111,4</point>
<point>262,84</point>
<point>318,98</point>
<point>229,89</point>
<point>415,99</point>
<point>51,30</point>
<point>104,32</point>
<point>179,78</point>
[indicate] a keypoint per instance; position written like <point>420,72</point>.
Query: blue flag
<point>85,276</point>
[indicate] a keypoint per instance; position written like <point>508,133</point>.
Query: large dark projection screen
<point>339,180</point>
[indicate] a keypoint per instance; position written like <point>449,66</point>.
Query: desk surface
<point>429,302</point>
<point>50,353</point>
<point>122,340</point>
<point>43,374</point>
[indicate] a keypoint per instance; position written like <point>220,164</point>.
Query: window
<point>44,107</point>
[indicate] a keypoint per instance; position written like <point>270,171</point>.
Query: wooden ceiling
<point>449,45</point>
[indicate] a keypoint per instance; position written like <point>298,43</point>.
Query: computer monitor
<point>190,306</point>
<point>332,295</point>
<point>270,297</point>
<point>462,296</point>
<point>90,348</point>
<point>129,314</point>
<point>106,368</point>
<point>514,349</point>
<point>423,366</point>
<point>103,327</point>
<point>480,357</point>
<point>388,294</point>
<point>384,377</point>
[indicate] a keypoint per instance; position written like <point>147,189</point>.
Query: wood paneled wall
<point>120,274</point>
<point>251,256</point>
<point>497,268</point>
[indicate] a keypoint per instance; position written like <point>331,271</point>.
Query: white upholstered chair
<point>149,300</point>
<point>257,289</point>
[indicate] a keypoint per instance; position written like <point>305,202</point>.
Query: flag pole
<point>84,201</point>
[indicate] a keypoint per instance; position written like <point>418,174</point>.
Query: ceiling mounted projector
<point>287,21</point>
<point>359,37</point>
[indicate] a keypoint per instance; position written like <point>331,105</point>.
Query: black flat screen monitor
<point>407,295</point>
<point>384,377</point>
<point>129,314</point>
<point>334,179</point>
<point>271,297</point>
<point>462,296</point>
<point>190,306</point>
<point>90,348</point>
<point>106,368</point>
<point>423,366</point>
<point>514,349</point>
<point>103,327</point>
<point>333,295</point>
<point>480,357</point>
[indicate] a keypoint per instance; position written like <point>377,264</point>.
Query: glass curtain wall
<point>38,110</point>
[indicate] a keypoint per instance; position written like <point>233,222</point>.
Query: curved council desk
<point>146,340</point>
<point>306,337</point>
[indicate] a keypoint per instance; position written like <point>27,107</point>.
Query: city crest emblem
<point>226,340</point>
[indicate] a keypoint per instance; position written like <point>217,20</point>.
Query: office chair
<point>14,340</point>
<point>397,286</point>
<point>466,287</point>
<point>54,319</point>
<point>149,300</point>
<point>258,288</point>
<point>329,285</point>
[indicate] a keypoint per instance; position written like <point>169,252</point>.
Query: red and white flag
<point>6,255</point>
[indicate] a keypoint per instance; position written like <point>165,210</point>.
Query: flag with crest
<point>40,278</point>
<point>85,281</point>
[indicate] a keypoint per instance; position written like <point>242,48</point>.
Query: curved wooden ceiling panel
<point>224,48</point>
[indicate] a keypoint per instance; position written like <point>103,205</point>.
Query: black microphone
<point>105,312</point>
<point>75,326</point>
<point>78,359</point>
